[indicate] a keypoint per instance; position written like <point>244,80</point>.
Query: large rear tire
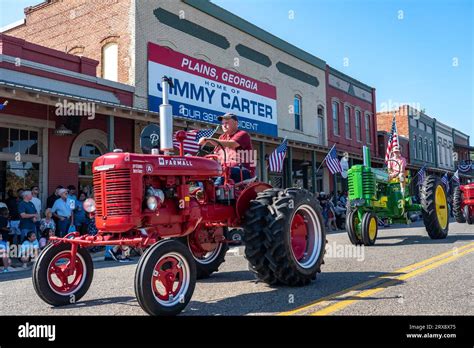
<point>457,205</point>
<point>294,236</point>
<point>165,278</point>
<point>434,206</point>
<point>52,280</point>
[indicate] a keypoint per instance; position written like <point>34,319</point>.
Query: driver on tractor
<point>396,168</point>
<point>238,148</point>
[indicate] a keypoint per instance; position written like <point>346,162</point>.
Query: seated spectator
<point>29,249</point>
<point>4,254</point>
<point>45,235</point>
<point>47,222</point>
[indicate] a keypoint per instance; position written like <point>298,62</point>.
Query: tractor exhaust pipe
<point>166,118</point>
<point>366,154</point>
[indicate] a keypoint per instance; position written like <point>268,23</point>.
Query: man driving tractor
<point>396,169</point>
<point>238,149</point>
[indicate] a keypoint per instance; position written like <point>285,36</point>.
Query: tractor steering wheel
<point>209,154</point>
<point>394,168</point>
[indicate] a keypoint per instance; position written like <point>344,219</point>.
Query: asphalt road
<point>405,273</point>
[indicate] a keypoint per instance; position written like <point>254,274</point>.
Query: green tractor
<point>373,196</point>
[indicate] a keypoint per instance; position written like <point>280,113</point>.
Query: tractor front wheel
<point>165,278</point>
<point>467,215</point>
<point>457,206</point>
<point>434,207</point>
<point>55,280</point>
<point>369,229</point>
<point>352,220</point>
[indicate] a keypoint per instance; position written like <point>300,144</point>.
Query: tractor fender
<point>248,194</point>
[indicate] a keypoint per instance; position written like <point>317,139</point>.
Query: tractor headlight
<point>152,203</point>
<point>89,205</point>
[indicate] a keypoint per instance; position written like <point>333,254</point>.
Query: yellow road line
<point>344,303</point>
<point>375,280</point>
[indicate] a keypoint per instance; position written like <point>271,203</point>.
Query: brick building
<point>59,117</point>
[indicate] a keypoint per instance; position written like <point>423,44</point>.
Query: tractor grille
<point>350,181</point>
<point>116,194</point>
<point>368,183</point>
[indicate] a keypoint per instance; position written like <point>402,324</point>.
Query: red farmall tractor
<point>463,203</point>
<point>149,201</point>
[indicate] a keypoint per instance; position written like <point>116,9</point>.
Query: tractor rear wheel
<point>457,205</point>
<point>294,235</point>
<point>53,279</point>
<point>434,208</point>
<point>369,229</point>
<point>165,278</point>
<point>352,220</point>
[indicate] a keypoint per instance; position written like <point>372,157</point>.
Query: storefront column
<point>263,164</point>
<point>313,171</point>
<point>110,133</point>
<point>289,182</point>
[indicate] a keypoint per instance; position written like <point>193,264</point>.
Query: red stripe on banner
<point>166,56</point>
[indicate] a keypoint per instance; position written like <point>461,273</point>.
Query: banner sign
<point>466,166</point>
<point>203,91</point>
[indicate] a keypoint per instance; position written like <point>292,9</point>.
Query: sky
<point>418,52</point>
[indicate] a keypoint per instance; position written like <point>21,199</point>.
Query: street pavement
<point>405,273</point>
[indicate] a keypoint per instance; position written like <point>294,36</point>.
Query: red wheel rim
<point>170,279</point>
<point>299,236</point>
<point>199,254</point>
<point>60,277</point>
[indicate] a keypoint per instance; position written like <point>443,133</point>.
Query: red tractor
<point>463,203</point>
<point>150,201</point>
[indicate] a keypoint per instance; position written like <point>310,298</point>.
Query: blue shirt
<point>62,208</point>
<point>27,208</point>
<point>29,248</point>
<point>79,213</point>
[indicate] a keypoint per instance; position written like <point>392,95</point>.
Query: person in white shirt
<point>35,200</point>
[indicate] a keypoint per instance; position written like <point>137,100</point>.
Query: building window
<point>358,121</point>
<point>446,154</point>
<point>420,148</point>
<point>13,140</point>
<point>440,151</point>
<point>335,118</point>
<point>413,122</point>
<point>367,129</point>
<point>426,150</point>
<point>110,61</point>
<point>429,129</point>
<point>321,125</point>
<point>347,121</point>
<point>422,126</point>
<point>414,147</point>
<point>298,113</point>
<point>431,151</point>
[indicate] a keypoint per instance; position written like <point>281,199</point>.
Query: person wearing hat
<point>396,167</point>
<point>63,212</point>
<point>238,148</point>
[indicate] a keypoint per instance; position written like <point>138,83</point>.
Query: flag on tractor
<point>456,177</point>
<point>445,181</point>
<point>190,144</point>
<point>392,140</point>
<point>276,159</point>
<point>332,162</point>
<point>421,175</point>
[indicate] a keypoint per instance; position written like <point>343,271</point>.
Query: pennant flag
<point>332,162</point>
<point>465,167</point>
<point>456,177</point>
<point>445,181</point>
<point>276,159</point>
<point>192,138</point>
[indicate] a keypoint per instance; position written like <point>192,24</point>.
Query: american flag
<point>275,162</point>
<point>445,181</point>
<point>456,177</point>
<point>192,138</point>
<point>421,175</point>
<point>392,140</point>
<point>332,162</point>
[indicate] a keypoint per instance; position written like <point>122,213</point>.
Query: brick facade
<point>82,27</point>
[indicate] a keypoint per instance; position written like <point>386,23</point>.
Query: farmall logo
<point>179,162</point>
